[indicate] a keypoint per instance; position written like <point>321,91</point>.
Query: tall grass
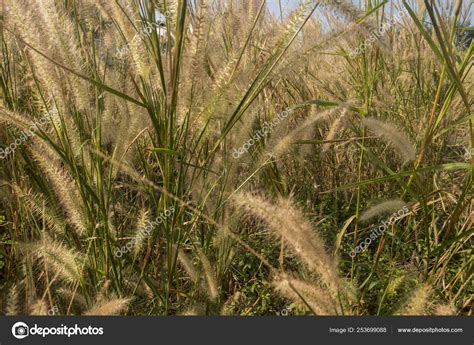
<point>137,158</point>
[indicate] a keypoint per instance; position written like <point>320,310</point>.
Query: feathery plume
<point>188,265</point>
<point>41,208</point>
<point>394,284</point>
<point>319,300</point>
<point>351,13</point>
<point>72,295</point>
<point>62,183</point>
<point>209,273</point>
<point>110,307</point>
<point>63,42</point>
<point>30,27</point>
<point>65,262</point>
<point>12,301</point>
<point>168,8</point>
<point>143,226</point>
<point>382,208</point>
<point>418,301</point>
<point>288,222</point>
<point>197,41</point>
<point>127,20</point>
<point>39,308</point>
<point>334,130</point>
<point>278,146</point>
<point>394,136</point>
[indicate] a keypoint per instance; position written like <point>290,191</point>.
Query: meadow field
<point>236,157</point>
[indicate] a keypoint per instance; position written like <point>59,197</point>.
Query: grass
<point>128,199</point>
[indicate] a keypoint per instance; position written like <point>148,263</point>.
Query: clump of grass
<point>140,122</point>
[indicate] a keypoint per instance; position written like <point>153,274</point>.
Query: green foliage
<point>131,137</point>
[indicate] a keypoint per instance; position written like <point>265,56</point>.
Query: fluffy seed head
<point>285,220</point>
<point>111,307</point>
<point>317,299</point>
<point>209,273</point>
<point>394,136</point>
<point>382,208</point>
<point>65,262</point>
<point>418,301</point>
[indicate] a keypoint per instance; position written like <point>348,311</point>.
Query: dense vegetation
<point>209,157</point>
